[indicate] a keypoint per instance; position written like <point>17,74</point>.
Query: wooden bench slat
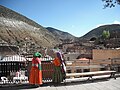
<point>89,73</point>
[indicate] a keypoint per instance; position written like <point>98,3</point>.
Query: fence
<point>8,69</point>
<point>47,71</point>
<point>9,66</point>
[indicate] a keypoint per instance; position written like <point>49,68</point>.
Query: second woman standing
<point>59,74</point>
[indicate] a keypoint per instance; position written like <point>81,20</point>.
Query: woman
<point>63,66</point>
<point>58,75</point>
<point>36,71</point>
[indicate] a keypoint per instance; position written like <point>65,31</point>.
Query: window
<point>86,70</point>
<point>102,69</point>
<point>78,71</point>
<point>68,71</point>
<point>68,58</point>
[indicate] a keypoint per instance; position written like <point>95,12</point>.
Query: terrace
<point>79,84</point>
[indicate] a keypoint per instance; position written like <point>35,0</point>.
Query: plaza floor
<point>98,84</point>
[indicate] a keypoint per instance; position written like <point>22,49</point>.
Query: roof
<point>13,58</point>
<point>83,59</point>
<point>87,56</point>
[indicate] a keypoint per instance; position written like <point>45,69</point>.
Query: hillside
<point>18,30</point>
<point>114,30</point>
<point>61,34</point>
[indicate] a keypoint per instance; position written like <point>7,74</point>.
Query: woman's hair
<point>59,55</point>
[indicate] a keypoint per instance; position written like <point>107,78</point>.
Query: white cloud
<point>116,22</point>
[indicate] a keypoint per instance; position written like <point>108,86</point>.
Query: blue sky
<point>77,17</point>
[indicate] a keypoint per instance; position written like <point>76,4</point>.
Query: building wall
<point>71,56</point>
<point>105,54</point>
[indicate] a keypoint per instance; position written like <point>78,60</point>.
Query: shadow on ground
<point>28,86</point>
<point>18,87</point>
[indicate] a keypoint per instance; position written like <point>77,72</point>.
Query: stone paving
<point>99,84</point>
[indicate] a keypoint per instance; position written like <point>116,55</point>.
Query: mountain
<point>16,29</point>
<point>114,30</point>
<point>61,34</point>
<point>20,30</point>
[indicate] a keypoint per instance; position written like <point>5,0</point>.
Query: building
<point>101,59</point>
<point>10,61</point>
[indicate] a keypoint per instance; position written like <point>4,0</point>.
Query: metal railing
<point>9,67</point>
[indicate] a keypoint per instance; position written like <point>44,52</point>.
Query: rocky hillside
<point>19,30</point>
<point>96,35</point>
<point>114,30</point>
<point>61,34</point>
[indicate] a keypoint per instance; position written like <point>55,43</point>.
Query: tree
<point>106,34</point>
<point>111,3</point>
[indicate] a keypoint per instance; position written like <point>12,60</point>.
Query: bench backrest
<point>89,73</point>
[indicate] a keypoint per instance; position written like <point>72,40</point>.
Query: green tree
<point>111,3</point>
<point>106,34</point>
